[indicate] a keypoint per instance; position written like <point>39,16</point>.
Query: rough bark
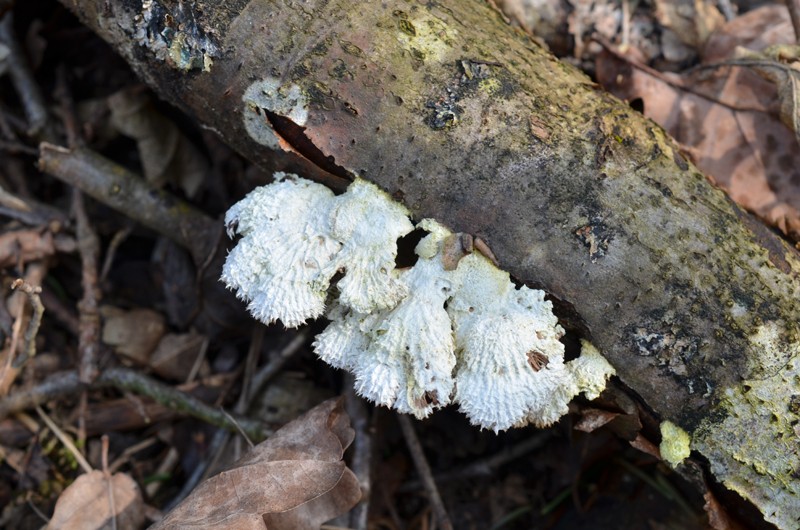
<point>468,121</point>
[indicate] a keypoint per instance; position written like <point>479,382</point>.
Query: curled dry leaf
<point>727,118</point>
<point>293,480</point>
<point>176,354</point>
<point>133,334</point>
<point>30,244</point>
<point>94,499</point>
<point>592,419</point>
<point>779,64</point>
<point>646,446</point>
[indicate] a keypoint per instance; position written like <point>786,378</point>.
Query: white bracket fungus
<point>444,330</point>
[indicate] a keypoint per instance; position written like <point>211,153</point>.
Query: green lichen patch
<point>674,445</point>
<point>422,35</point>
<point>754,448</point>
<point>473,80</point>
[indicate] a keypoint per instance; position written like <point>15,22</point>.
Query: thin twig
<point>65,440</point>
<point>119,237</point>
<point>726,8</point>
<point>11,125</point>
<point>276,362</point>
<point>122,459</point>
<point>88,246</point>
<point>218,441</point>
<point>55,387</point>
<point>29,211</point>
<point>16,148</point>
<point>683,84</point>
<point>486,466</point>
<point>36,319</point>
<point>35,509</point>
<point>25,85</point>
<point>361,459</point>
<point>794,14</point>
<point>69,115</point>
<point>198,361</point>
<point>88,314</point>
<point>112,504</point>
<point>67,384</point>
<point>238,428</point>
<point>8,373</point>
<point>59,310</point>
<point>34,274</point>
<point>253,353</point>
<point>166,466</point>
<point>424,471</point>
<point>626,25</point>
<point>123,378</point>
<point>129,194</point>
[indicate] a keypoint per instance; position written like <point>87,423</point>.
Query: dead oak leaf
<point>94,500</point>
<point>779,64</point>
<point>293,480</point>
<point>728,119</point>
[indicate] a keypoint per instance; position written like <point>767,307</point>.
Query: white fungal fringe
<point>417,338</point>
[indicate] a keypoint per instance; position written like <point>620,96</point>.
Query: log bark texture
<point>467,120</point>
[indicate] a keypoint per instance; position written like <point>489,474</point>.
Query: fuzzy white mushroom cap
<point>447,329</point>
<point>297,235</point>
<point>368,224</point>
<point>286,242</point>
<point>401,357</point>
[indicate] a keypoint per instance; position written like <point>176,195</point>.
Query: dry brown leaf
<point>167,155</point>
<point>727,119</point>
<point>133,334</point>
<point>691,21</point>
<point>25,245</point>
<point>87,504</point>
<point>779,64</point>
<point>176,354</point>
<point>592,419</point>
<point>4,53</point>
<point>646,446</point>
<point>296,479</point>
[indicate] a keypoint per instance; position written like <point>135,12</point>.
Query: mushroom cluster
<point>450,328</point>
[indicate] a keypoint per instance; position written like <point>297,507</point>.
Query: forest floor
<point>116,357</point>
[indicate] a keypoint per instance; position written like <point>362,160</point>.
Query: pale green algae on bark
<point>755,448</point>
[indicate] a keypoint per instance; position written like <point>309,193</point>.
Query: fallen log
<point>470,122</point>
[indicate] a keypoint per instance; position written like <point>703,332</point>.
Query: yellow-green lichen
<point>675,444</point>
<point>490,85</point>
<point>755,448</point>
<point>424,36</point>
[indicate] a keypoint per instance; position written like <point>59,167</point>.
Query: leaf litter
<point>732,121</point>
<point>295,479</point>
<point>305,461</point>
